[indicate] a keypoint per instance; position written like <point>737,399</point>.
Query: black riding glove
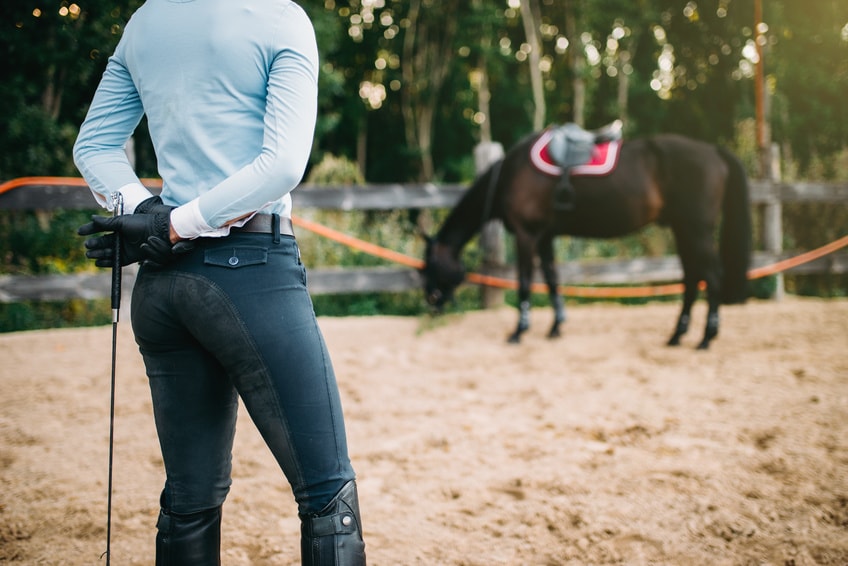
<point>142,238</point>
<point>102,248</point>
<point>156,249</point>
<point>162,252</point>
<point>153,205</point>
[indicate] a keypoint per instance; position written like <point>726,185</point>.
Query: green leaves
<point>53,56</point>
<point>399,82</point>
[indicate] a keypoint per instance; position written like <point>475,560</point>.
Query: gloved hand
<point>161,252</point>
<point>156,249</point>
<point>143,236</point>
<point>153,205</point>
<point>102,248</point>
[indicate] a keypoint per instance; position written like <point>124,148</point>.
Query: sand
<point>602,447</point>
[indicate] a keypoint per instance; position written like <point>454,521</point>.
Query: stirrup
<point>564,196</point>
<point>333,537</point>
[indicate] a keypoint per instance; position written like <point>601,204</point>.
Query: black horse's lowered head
<point>442,273</point>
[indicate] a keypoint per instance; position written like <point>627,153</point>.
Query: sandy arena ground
<point>604,447</point>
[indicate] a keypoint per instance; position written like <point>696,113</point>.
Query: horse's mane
<point>479,203</point>
<point>467,217</point>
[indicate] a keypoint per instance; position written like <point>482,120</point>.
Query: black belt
<point>264,224</point>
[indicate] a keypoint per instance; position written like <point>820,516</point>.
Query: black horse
<point>669,179</point>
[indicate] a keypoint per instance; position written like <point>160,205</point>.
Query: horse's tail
<point>735,239</point>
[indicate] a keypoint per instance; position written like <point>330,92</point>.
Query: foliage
<point>45,242</point>
<point>38,242</point>
<point>30,315</point>
<point>809,54</point>
<point>53,56</point>
<point>408,303</point>
<point>684,67</point>
<point>334,170</point>
<point>381,229</point>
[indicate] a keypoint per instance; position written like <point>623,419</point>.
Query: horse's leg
<point>690,293</point>
<point>525,247</point>
<point>700,262</point>
<point>711,275</point>
<point>711,330</point>
<point>523,321</point>
<point>546,257</point>
<point>690,285</point>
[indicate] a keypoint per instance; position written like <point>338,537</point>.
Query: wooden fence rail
<point>765,195</point>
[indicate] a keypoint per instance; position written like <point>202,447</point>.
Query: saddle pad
<point>603,161</point>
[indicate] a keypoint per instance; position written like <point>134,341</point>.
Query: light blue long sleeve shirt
<point>229,88</point>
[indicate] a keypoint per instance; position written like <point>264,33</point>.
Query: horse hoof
<point>673,342</point>
<point>514,339</point>
<point>704,346</point>
<point>554,334</point>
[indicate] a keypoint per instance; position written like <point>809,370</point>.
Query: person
<point>220,309</point>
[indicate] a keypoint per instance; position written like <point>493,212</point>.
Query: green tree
<point>807,62</point>
<point>53,56</point>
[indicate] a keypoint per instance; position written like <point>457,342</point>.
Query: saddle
<point>569,149</point>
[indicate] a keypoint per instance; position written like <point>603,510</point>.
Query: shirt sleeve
<point>99,152</point>
<point>289,124</point>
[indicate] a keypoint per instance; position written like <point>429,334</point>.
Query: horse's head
<point>442,274</point>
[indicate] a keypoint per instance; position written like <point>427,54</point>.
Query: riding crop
<point>118,209</point>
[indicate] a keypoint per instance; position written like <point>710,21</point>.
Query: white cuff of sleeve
<point>188,222</point>
<point>134,194</point>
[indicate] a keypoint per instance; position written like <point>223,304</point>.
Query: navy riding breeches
<point>233,319</point>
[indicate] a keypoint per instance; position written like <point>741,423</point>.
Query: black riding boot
<point>333,537</point>
<point>189,540</point>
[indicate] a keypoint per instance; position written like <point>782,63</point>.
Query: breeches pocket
<point>279,266</point>
<point>235,257</point>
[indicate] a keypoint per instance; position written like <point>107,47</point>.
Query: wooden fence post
<point>773,220</point>
<point>492,233</point>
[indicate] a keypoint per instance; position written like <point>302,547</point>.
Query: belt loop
<point>275,227</point>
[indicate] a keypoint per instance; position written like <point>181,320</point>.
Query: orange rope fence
<point>799,259</point>
<point>589,292</point>
<point>61,182</point>
<point>357,244</point>
<point>478,278</point>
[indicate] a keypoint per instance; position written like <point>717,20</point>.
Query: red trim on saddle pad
<point>603,161</point>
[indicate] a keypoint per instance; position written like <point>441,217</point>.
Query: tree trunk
<point>577,61</point>
<point>362,147</point>
<point>51,98</point>
<point>427,54</point>
<point>408,74</point>
<point>623,85</point>
<point>425,141</point>
<point>484,97</point>
<point>529,12</point>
